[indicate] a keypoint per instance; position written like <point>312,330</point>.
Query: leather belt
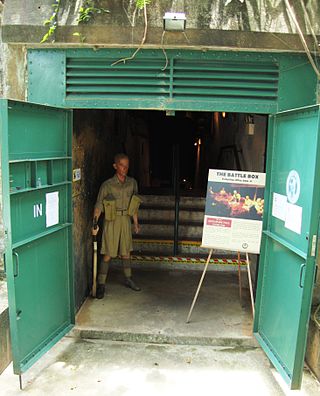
<point>122,212</point>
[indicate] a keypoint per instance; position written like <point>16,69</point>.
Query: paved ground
<point>107,368</point>
<point>215,354</point>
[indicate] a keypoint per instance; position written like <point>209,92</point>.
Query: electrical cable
<point>309,23</point>
<point>316,44</point>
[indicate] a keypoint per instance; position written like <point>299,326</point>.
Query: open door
<point>291,219</point>
<point>36,185</point>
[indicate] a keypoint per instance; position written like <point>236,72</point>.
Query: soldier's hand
<point>94,231</point>
<point>136,228</point>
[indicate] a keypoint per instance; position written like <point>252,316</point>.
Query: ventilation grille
<point>96,78</point>
<point>237,81</point>
<point>89,78</point>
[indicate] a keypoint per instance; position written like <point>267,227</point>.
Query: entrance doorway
<point>158,144</point>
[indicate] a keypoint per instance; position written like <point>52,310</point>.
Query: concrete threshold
<point>94,334</point>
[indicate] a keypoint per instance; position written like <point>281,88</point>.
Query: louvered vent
<point>202,80</point>
<point>89,78</point>
<point>236,81</point>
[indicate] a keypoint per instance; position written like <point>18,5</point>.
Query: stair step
<point>192,259</point>
<point>163,245</point>
<point>167,230</point>
<point>164,240</point>
<point>151,206</point>
<point>185,216</point>
<point>166,222</point>
<point>169,200</point>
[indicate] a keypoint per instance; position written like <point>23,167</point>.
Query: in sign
<point>37,210</point>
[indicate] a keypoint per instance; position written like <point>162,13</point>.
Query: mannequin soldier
<point>118,200</point>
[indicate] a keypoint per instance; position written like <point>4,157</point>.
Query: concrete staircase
<point>155,242</point>
<point>156,218</point>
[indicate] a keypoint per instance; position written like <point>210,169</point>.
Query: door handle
<point>315,275</point>
<point>302,266</point>
<point>16,270</point>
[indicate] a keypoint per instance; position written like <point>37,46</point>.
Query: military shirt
<point>117,236</point>
<point>113,188</point>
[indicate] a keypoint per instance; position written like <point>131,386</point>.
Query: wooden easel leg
<point>250,283</point>
<point>199,286</point>
<point>239,276</point>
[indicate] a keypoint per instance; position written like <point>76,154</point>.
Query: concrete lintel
<point>124,36</point>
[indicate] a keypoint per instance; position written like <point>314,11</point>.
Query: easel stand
<point>199,286</point>
<point>240,284</point>
<point>250,283</point>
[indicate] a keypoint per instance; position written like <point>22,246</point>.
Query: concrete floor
<point>159,312</point>
<point>215,354</point>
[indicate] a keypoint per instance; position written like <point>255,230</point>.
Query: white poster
<point>293,218</point>
<point>279,206</point>
<point>52,208</point>
<point>234,209</point>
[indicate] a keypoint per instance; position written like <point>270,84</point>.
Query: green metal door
<point>287,271</point>
<point>36,187</point>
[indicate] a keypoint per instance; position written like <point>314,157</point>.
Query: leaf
<point>76,34</point>
<point>140,3</point>
<point>45,38</point>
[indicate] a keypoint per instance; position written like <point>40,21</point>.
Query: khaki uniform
<point>117,234</point>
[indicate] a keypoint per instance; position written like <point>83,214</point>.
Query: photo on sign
<point>235,200</point>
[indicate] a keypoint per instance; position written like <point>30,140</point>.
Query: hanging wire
<point>316,42</point>
<point>164,51</point>
<point>304,43</point>
<point>309,23</point>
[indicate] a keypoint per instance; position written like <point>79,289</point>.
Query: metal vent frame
<point>190,80</point>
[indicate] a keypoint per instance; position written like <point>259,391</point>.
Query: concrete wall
<point>124,24</point>
<point>92,153</point>
<point>97,137</point>
<point>5,350</point>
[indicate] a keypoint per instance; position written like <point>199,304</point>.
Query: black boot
<point>129,283</point>
<point>100,291</point>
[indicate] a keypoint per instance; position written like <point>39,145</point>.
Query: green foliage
<point>52,22</point>
<point>140,3</point>
<point>87,11</point>
<point>82,38</point>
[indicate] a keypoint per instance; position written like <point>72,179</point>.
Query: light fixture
<point>174,21</point>
<point>223,114</point>
<point>249,125</point>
